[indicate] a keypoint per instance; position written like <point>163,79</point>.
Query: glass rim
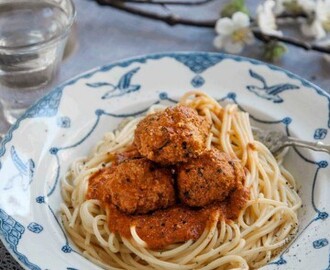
<point>53,39</point>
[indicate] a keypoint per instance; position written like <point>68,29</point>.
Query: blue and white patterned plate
<point>66,123</point>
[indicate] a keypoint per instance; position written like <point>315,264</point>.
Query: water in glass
<point>26,60</point>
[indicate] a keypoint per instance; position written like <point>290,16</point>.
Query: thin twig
<point>170,19</point>
<point>164,2</point>
<point>286,15</point>
<point>288,40</point>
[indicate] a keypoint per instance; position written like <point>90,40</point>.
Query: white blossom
<point>319,27</point>
<point>233,33</point>
<point>279,6</point>
<point>266,18</point>
<point>323,13</point>
<point>307,5</point>
<point>326,44</point>
<point>313,29</point>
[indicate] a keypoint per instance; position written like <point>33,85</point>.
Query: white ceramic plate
<point>66,123</point>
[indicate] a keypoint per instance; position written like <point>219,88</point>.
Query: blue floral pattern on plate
<point>35,227</point>
<point>12,231</point>
<point>320,133</point>
<point>64,122</point>
<point>320,243</point>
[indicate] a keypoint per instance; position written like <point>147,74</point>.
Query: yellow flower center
<point>326,25</point>
<point>293,7</point>
<point>240,35</point>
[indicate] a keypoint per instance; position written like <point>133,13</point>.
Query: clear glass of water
<point>33,34</point>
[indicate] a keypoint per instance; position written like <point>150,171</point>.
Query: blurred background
<point>102,35</point>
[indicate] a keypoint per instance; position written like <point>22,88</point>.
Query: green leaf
<point>274,50</point>
<point>234,6</point>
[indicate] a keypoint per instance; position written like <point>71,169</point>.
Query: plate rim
<point>143,57</point>
<point>124,62</point>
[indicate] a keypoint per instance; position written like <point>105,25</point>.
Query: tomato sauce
<point>164,227</point>
<point>161,228</point>
<point>177,224</point>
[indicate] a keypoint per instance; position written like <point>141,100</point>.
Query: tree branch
<point>164,2</point>
<point>292,41</point>
<point>172,19</point>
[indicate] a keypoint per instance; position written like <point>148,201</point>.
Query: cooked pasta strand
<point>266,223</point>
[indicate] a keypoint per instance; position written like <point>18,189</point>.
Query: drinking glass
<point>33,34</point>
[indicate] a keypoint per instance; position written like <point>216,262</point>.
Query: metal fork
<point>276,141</point>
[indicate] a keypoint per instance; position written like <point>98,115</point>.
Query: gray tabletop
<point>102,35</point>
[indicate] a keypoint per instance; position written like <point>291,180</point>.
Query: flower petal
<point>307,5</point>
<point>266,18</point>
<point>306,30</point>
<point>241,20</point>
<point>270,31</point>
<point>322,13</point>
<point>218,42</point>
<point>279,7</point>
<point>249,40</point>
<point>313,30</point>
<point>224,26</point>
<point>326,57</point>
<point>233,47</point>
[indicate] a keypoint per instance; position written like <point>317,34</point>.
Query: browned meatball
<point>139,186</point>
<point>208,178</point>
<point>130,152</point>
<point>98,180</point>
<point>172,136</point>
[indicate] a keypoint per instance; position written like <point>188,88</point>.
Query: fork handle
<point>316,146</point>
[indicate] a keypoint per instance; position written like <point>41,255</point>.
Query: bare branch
<point>165,2</point>
<point>292,41</point>
<point>170,19</point>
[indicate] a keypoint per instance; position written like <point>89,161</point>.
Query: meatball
<point>130,152</point>
<point>208,178</point>
<point>96,183</point>
<point>172,136</point>
<point>139,186</point>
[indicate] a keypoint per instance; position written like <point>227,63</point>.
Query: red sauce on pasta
<point>167,184</point>
<point>173,225</point>
<point>163,227</point>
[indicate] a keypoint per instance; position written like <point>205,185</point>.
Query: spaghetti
<point>265,225</point>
